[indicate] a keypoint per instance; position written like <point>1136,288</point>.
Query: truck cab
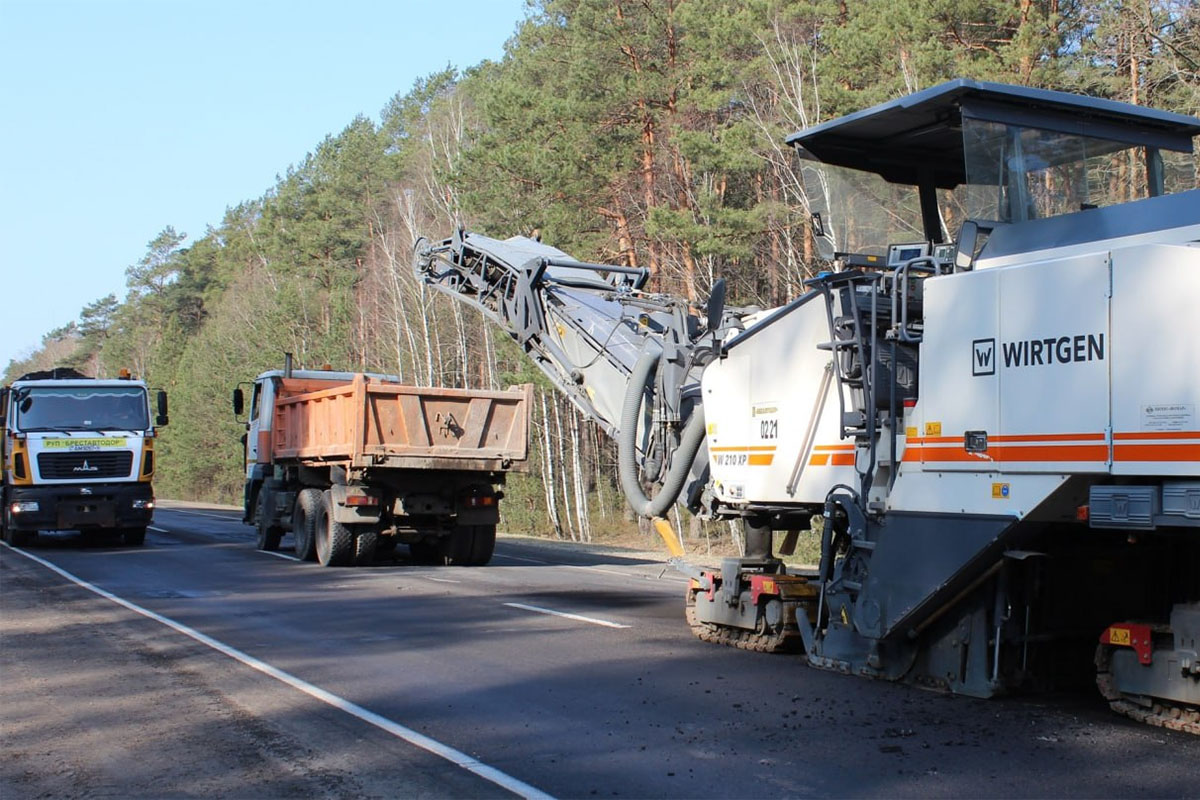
<point>78,454</point>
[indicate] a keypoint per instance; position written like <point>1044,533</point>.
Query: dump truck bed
<point>367,423</point>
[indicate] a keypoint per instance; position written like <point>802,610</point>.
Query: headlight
<point>24,507</point>
<point>143,504</point>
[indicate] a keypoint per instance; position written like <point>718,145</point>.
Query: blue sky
<point>120,117</point>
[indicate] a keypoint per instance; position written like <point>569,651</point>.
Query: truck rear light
<point>479,501</point>
<point>361,500</point>
<point>143,504</point>
<point>24,507</point>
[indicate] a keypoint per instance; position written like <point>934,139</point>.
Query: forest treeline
<point>638,132</point>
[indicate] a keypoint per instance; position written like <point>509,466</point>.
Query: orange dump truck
<point>351,464</point>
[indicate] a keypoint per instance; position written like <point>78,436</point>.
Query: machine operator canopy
<point>916,167</point>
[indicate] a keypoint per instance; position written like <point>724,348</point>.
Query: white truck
<point>78,454</point>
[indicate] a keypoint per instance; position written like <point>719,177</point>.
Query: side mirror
<point>964,254</point>
<point>716,305</point>
<point>161,400</point>
<point>239,402</point>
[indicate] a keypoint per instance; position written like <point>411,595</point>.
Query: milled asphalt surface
<point>98,700</point>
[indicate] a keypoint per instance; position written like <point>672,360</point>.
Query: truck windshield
<point>82,408</point>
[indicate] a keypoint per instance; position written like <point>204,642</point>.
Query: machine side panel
<point>959,383</point>
<point>1052,361</point>
<point>1156,360</point>
<point>760,401</point>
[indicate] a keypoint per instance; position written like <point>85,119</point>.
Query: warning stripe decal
<point>1156,452</point>
<point>1159,435</point>
<point>1143,446</point>
<point>1027,437</point>
<point>1139,446</point>
<point>1010,453</point>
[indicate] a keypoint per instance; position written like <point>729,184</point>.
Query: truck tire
<point>18,538</point>
<point>14,537</point>
<point>269,534</point>
<point>471,545</point>
<point>365,544</point>
<point>304,520</point>
<point>134,537</point>
<point>483,545</point>
<point>335,542</point>
<point>457,546</point>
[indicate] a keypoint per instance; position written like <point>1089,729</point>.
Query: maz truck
<point>78,454</point>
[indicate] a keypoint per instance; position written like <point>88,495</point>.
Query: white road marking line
<point>279,555</point>
<point>498,555</point>
<point>439,580</point>
<point>574,566</point>
<point>414,738</point>
<point>160,530</point>
<point>605,571</point>
<point>518,558</point>
<point>203,514</point>
<point>576,617</point>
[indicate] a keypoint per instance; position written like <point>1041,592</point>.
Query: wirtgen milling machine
<point>992,400</point>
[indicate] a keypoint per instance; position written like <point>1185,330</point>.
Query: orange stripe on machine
<point>1156,452</point>
<point>1142,446</point>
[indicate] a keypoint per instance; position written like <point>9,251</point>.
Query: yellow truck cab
<point>78,454</point>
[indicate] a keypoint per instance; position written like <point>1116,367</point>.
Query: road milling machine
<point>990,402</point>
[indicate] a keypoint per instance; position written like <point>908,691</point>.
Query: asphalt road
<point>552,670</point>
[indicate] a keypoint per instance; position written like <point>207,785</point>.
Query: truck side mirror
<point>239,402</point>
<point>161,401</point>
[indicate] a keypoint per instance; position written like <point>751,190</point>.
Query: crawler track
<point>786,640</point>
<point>1161,713</point>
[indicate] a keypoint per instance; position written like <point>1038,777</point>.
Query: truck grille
<point>67,466</point>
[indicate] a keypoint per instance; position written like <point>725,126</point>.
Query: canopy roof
<point>920,135</point>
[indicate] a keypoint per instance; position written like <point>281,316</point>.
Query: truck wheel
<point>365,543</point>
<point>457,546</point>
<point>335,542</point>
<point>304,520</point>
<point>134,537</point>
<point>269,533</point>
<point>18,538</point>
<point>483,545</point>
<point>471,545</point>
